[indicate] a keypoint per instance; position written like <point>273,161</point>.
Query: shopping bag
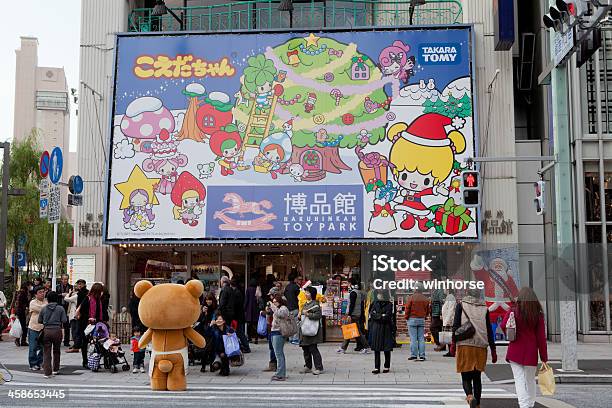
<point>546,379</point>
<point>446,337</point>
<point>350,331</point>
<point>231,344</point>
<point>16,330</point>
<point>262,326</point>
<point>309,327</point>
<point>511,328</point>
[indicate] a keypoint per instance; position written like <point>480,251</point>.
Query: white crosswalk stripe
<point>255,395</point>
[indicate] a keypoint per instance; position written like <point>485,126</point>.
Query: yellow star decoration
<point>312,40</point>
<point>137,181</point>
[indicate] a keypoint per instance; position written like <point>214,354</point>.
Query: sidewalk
<point>349,368</point>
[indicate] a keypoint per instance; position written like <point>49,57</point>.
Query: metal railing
<point>264,14</point>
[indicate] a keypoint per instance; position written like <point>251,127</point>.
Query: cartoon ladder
<point>258,121</point>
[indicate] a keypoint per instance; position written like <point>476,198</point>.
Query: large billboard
<point>305,135</point>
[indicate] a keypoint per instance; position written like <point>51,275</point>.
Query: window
<point>592,197</point>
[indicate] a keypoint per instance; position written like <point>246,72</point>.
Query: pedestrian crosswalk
<point>260,395</point>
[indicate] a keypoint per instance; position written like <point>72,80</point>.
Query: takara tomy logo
<point>439,54</point>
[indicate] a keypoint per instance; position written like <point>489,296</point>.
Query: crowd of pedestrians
<point>51,318</point>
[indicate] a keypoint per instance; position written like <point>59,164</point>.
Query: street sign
<point>75,184</point>
<point>75,200</point>
<point>43,188</point>
<point>21,259</point>
<point>56,165</point>
<point>563,44</point>
<point>54,212</point>
<point>44,164</point>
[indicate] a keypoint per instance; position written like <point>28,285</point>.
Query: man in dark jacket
<point>226,300</point>
<point>238,298</point>
<point>63,288</point>
<point>356,313</point>
<point>292,291</point>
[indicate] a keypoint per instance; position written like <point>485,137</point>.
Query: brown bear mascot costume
<point>169,310</point>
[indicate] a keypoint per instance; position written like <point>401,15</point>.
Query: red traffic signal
<point>470,179</point>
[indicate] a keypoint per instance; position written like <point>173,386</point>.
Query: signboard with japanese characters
<point>81,267</point>
<point>43,188</point>
<point>55,207</point>
<point>328,135</point>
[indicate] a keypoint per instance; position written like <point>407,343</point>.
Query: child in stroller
<point>105,346</point>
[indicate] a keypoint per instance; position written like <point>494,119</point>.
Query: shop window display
<point>205,267</point>
<point>592,196</point>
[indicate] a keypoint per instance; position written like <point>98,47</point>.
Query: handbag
<point>288,326</point>
<point>466,330</point>
<point>231,344</point>
<point>546,379</point>
<point>511,328</point>
<point>446,336</point>
<point>262,325</point>
<point>309,327</point>
<point>350,331</point>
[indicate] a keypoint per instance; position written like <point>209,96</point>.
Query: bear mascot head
<point>169,310</point>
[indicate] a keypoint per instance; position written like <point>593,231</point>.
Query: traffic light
<point>470,188</point>
<point>559,14</point>
<point>539,196</point>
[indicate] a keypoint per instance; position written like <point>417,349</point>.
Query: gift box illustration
<point>373,168</point>
<point>451,218</point>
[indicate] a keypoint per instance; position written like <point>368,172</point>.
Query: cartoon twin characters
<point>423,154</point>
<point>165,161</point>
<point>188,198</point>
<point>394,61</point>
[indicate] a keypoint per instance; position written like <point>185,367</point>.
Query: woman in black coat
<point>381,330</point>
<point>88,315</point>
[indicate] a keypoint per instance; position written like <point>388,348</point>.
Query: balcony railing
<point>264,14</point>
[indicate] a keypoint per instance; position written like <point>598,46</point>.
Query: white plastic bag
<point>16,330</point>
<point>511,328</point>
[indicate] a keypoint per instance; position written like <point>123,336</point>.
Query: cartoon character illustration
<point>500,287</point>
<point>394,61</point>
<point>139,215</point>
<point>297,171</point>
<point>274,151</point>
<point>226,144</point>
<point>188,198</point>
<point>205,170</point>
<point>139,197</point>
<point>423,154</point>
<point>309,105</point>
<point>259,78</point>
<point>165,160</point>
<point>240,207</point>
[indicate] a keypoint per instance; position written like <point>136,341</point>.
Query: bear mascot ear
<point>195,287</point>
<point>141,288</point>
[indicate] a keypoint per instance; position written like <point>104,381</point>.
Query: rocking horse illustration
<point>240,207</point>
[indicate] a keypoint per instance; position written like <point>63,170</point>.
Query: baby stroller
<point>102,348</point>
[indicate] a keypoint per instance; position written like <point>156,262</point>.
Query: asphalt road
<point>245,395</point>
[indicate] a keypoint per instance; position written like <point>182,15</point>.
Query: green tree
<point>23,211</point>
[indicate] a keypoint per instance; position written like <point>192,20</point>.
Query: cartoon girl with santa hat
<point>423,154</point>
<point>188,198</point>
<point>226,144</point>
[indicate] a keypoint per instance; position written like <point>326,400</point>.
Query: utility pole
<point>6,147</point>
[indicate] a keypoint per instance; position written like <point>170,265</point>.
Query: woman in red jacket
<point>530,340</point>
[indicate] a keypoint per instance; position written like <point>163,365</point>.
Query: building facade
<point>506,225</point>
<point>42,104</point>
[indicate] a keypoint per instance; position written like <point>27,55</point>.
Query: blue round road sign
<point>56,165</point>
<point>44,164</point>
<point>75,184</point>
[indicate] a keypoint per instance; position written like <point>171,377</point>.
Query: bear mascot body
<point>169,310</point>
